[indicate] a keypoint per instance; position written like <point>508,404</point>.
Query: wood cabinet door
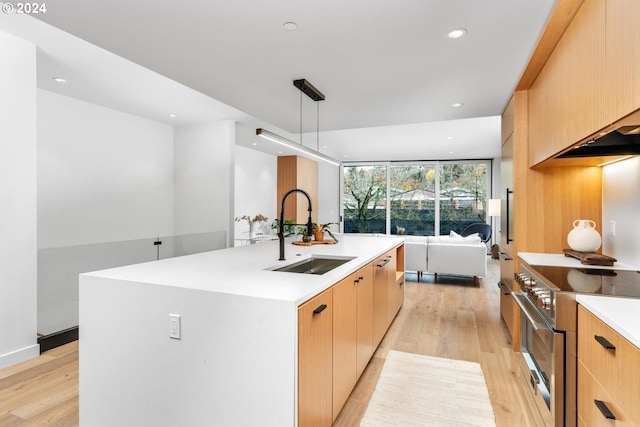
<point>315,361</point>
<point>344,340</point>
<point>380,299</point>
<point>364,318</point>
<point>396,287</point>
<point>567,100</point>
<point>622,64</point>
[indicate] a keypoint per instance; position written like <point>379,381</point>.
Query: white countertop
<point>620,314</point>
<point>560,260</point>
<point>244,270</point>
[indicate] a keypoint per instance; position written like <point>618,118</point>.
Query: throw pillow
<point>454,234</point>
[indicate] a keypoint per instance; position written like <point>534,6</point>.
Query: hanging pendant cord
<point>318,127</point>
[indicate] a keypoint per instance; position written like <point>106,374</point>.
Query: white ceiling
<point>378,62</point>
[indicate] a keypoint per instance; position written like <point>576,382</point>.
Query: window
<point>426,198</point>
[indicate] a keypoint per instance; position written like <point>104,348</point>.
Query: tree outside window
<point>415,201</point>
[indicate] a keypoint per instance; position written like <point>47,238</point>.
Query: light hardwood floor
<point>449,319</point>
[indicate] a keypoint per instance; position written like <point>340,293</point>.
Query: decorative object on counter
<point>590,258</point>
<point>584,237</point>
<point>289,227</point>
<point>320,229</point>
<point>254,223</point>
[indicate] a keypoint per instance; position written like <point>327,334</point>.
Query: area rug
<point>415,390</point>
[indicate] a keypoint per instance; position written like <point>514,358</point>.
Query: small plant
<point>320,229</point>
<point>288,228</point>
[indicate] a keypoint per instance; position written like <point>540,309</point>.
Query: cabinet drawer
<point>616,369</point>
<point>589,391</point>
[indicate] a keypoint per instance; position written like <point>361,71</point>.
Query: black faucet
<point>281,229</point>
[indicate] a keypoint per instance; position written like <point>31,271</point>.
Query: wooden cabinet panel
<point>315,361</point>
<point>506,129</point>
<point>302,173</point>
<point>567,100</point>
<point>345,302</point>
<point>616,370</point>
<point>589,390</point>
<point>380,299</point>
<point>364,318</point>
<point>622,64</point>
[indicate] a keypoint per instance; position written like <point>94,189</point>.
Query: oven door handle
<point>537,322</point>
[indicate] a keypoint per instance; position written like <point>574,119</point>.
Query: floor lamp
<point>493,211</point>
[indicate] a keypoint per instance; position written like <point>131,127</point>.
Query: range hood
<point>623,141</point>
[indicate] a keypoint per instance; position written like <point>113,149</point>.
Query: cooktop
<point>591,280</point>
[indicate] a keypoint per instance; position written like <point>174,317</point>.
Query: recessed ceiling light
<point>457,33</point>
<point>457,104</point>
<point>254,143</point>
<point>290,26</point>
<point>59,80</point>
<point>449,137</point>
<point>345,156</point>
<point>173,116</point>
<point>450,152</point>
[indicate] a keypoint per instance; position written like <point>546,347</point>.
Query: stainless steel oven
<point>542,362</point>
<point>549,324</point>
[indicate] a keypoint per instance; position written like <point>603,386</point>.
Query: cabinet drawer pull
<point>604,410</point>
<point>534,379</point>
<point>401,283</point>
<point>383,263</point>
<point>356,281</point>
<point>604,342</point>
<point>320,309</point>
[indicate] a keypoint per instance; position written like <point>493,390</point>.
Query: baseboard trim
<point>18,356</point>
<point>56,339</point>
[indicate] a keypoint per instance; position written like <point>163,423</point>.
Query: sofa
<point>447,255</point>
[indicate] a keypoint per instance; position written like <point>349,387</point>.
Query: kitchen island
<point>236,360</point>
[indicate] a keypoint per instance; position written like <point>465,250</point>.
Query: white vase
<point>253,229</point>
<point>584,237</point>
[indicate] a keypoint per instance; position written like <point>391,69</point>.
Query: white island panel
<point>236,364</point>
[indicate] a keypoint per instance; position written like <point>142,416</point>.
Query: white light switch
<point>174,326</point>
<point>612,227</point>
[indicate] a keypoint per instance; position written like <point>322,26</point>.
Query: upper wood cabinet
<point>567,100</point>
<point>302,173</point>
<point>589,81</point>
<point>622,64</point>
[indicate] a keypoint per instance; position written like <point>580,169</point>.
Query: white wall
<point>621,203</point>
<point>328,204</point>
<point>103,175</point>
<point>203,177</point>
<point>255,189</point>
<point>18,221</point>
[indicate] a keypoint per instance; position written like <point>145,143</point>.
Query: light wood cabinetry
<point>396,283</point>
<point>352,332</point>
<point>364,318</point>
<point>622,61</point>
<point>608,374</point>
<point>589,80</point>
<point>336,335</point>
<point>315,361</point>
<point>302,173</point>
<point>381,274</point>
<point>567,100</point>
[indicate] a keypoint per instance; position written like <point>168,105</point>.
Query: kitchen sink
<point>317,264</point>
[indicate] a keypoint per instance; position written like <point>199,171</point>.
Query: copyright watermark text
<point>24,8</point>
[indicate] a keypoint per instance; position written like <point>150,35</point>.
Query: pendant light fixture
<point>313,93</point>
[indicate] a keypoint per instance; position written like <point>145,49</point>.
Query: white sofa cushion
<point>457,259</point>
<point>415,253</point>
<point>468,240</point>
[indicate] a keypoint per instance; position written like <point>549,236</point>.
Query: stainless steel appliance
<point>548,328</point>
